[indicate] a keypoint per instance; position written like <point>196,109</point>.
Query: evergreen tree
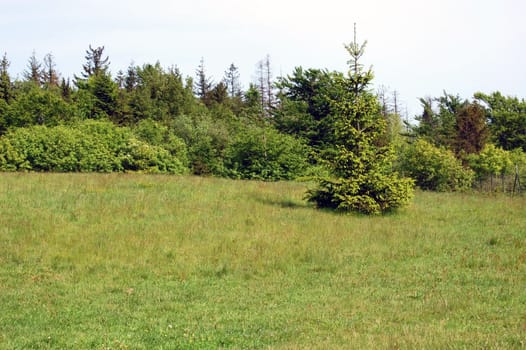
<point>66,90</point>
<point>362,179</point>
<point>252,98</point>
<point>219,94</point>
<point>95,63</point>
<point>34,70</point>
<point>472,131</point>
<point>507,119</point>
<point>305,106</point>
<point>448,106</point>
<point>203,84</point>
<point>438,125</point>
<point>120,79</point>
<point>97,92</point>
<point>6,87</point>
<point>50,74</point>
<point>265,85</point>
<point>105,91</point>
<point>131,79</point>
<point>427,121</point>
<point>232,81</point>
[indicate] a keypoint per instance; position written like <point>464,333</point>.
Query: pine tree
<point>131,80</point>
<point>65,90</point>
<point>6,87</point>
<point>50,74</point>
<point>265,85</point>
<point>203,84</point>
<point>96,87</point>
<point>34,70</point>
<point>95,63</point>
<point>232,81</point>
<point>472,131</point>
<point>362,179</point>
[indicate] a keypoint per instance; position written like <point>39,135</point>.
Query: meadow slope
<point>130,261</point>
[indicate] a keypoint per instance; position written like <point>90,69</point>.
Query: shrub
<point>36,106</point>
<point>206,141</point>
<point>10,158</point>
<point>493,162</point>
<point>156,134</point>
<point>90,146</point>
<point>143,157</point>
<point>434,168</point>
<point>372,194</point>
<point>265,154</point>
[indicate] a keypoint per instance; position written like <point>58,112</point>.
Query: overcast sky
<point>417,47</point>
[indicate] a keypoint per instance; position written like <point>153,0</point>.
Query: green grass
<point>161,262</point>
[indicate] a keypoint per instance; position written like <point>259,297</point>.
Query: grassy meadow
<point>109,261</point>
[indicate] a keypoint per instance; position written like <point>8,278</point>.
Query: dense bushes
<point>494,163</point>
<point>222,149</point>
<point>36,106</point>
<point>264,153</point>
<point>156,134</point>
<point>150,119</point>
<point>206,140</point>
<point>90,146</point>
<point>434,168</point>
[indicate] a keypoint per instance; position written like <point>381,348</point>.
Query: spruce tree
<point>34,72</point>
<point>50,74</point>
<point>231,80</point>
<point>362,178</point>
<point>6,87</point>
<point>203,84</point>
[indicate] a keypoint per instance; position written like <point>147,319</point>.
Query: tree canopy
<point>311,123</point>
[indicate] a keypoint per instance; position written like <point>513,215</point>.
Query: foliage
<point>203,84</point>
<point>438,125</point>
<point>6,86</point>
<point>95,63</point>
<point>265,154</point>
<point>434,168</point>
<point>507,120</point>
<point>85,147</point>
<point>156,134</point>
<point>305,109</point>
<point>224,131</point>
<point>34,105</point>
<point>491,160</point>
<point>206,139</point>
<point>151,92</point>
<point>363,179</point>
<point>97,97</point>
<point>143,157</point>
<point>472,132</point>
<point>495,162</point>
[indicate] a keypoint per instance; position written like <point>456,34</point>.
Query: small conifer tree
<point>362,178</point>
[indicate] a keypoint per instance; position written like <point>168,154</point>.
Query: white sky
<point>417,47</point>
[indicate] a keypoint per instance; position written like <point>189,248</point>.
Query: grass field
<point>159,262</point>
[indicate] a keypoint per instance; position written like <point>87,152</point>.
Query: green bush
<point>36,106</point>
<point>265,154</point>
<point>156,134</point>
<point>373,194</point>
<point>89,146</point>
<point>143,157</point>
<point>206,140</point>
<point>494,162</point>
<point>434,168</point>
<point>10,158</point>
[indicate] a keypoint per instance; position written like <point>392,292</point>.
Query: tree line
<point>153,119</point>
